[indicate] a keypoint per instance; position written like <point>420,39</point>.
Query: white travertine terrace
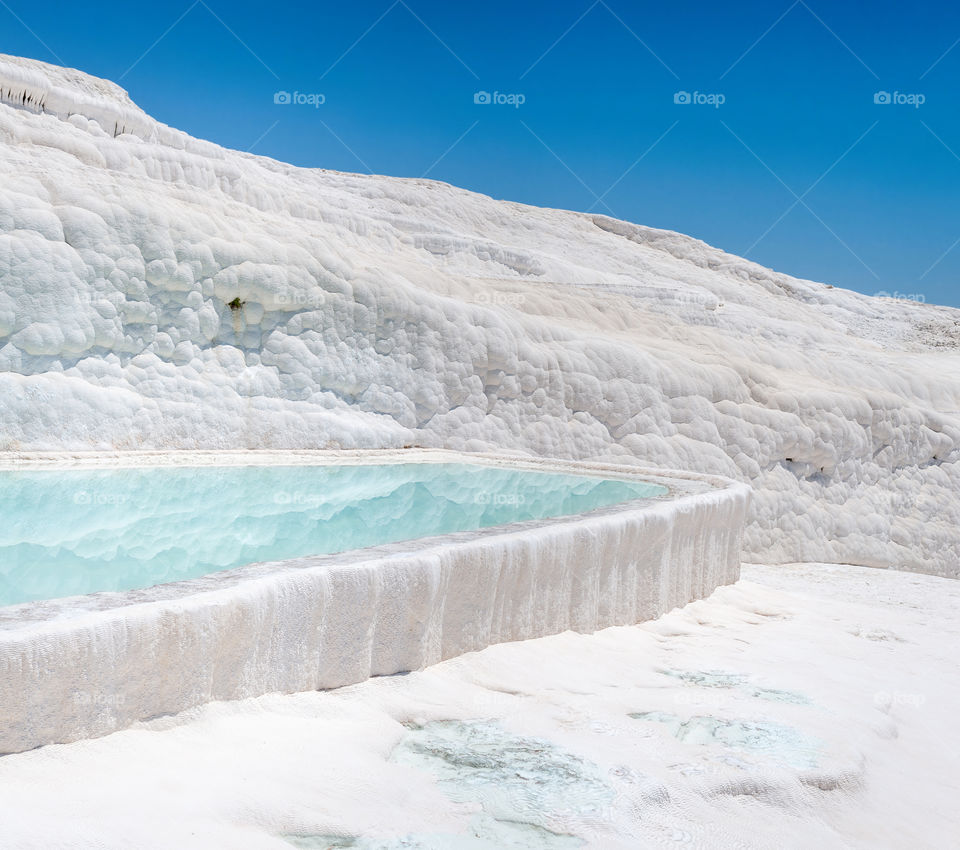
<point>385,312</point>
<point>376,312</point>
<point>335,620</point>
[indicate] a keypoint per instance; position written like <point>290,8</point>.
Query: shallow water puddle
<point>729,681</point>
<point>708,678</point>
<point>775,742</point>
<point>517,779</point>
<point>533,795</point>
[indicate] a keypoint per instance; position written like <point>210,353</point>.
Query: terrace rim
<point>86,666</point>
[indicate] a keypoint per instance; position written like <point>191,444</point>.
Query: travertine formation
<point>87,666</point>
<point>157,291</point>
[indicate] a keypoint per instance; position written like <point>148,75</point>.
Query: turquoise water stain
<point>532,794</point>
<point>723,680</point>
<point>775,742</point>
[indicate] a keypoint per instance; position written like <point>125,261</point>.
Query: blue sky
<point>798,168</point>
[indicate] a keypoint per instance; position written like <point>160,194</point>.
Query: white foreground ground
<point>807,706</point>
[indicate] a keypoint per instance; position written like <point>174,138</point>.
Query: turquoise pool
<point>71,532</point>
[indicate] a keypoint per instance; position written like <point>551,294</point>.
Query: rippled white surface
<point>160,292</point>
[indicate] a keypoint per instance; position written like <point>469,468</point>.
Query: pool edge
<point>328,625</point>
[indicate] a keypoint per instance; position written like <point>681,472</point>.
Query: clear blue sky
<point>879,184</point>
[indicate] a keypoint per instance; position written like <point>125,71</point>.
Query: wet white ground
<point>807,706</point>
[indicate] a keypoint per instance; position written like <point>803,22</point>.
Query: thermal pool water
<point>79,531</point>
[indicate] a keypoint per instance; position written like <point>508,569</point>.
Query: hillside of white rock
<point>157,291</point>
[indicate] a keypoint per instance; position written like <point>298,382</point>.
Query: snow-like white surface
<point>806,706</point>
<point>378,312</point>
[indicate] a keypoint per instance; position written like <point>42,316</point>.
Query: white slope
<point>806,707</point>
<point>374,311</point>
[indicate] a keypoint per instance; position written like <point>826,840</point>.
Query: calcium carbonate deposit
<point>809,706</point>
<point>157,291</point>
